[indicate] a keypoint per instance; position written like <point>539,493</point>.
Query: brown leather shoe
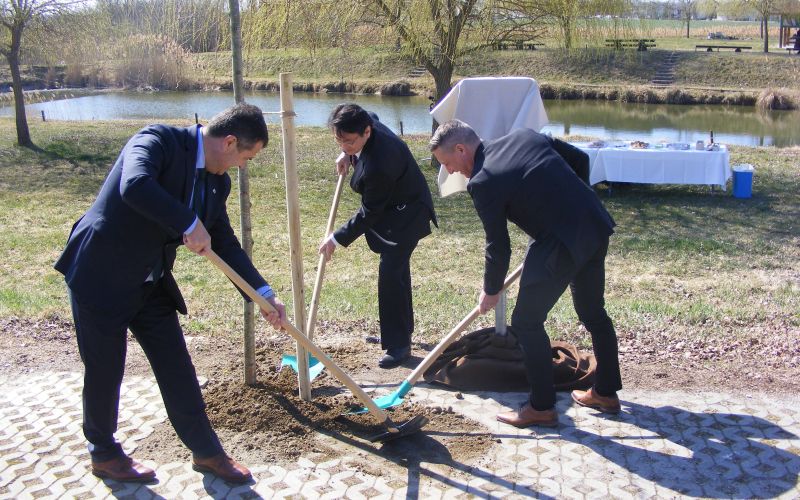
<point>527,416</point>
<point>123,469</point>
<point>590,399</point>
<point>223,466</point>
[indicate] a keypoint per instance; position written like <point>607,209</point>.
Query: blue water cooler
<point>742,180</point>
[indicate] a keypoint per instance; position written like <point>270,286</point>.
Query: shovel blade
<point>314,365</point>
<point>390,400</point>
<point>411,427</point>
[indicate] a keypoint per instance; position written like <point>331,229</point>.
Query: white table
<point>658,166</point>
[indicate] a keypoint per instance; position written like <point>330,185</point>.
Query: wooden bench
<point>532,45</point>
<point>710,48</point>
<point>641,44</point>
<point>517,44</point>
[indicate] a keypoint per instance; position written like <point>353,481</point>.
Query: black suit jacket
<point>396,204</point>
<point>139,217</point>
<point>522,178</point>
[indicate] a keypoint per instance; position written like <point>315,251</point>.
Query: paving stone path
<point>663,445</point>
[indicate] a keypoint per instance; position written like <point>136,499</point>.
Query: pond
<point>597,119</point>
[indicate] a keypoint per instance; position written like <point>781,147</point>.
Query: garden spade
<point>396,397</point>
<point>393,431</point>
<point>313,364</point>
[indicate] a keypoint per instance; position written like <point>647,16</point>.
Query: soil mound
<point>269,423</point>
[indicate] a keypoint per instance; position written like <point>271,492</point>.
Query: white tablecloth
<point>493,107</point>
<point>658,166</point>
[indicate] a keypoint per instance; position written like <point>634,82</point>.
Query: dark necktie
<point>198,196</point>
<point>353,160</point>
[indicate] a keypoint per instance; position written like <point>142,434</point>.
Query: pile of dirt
<point>270,423</point>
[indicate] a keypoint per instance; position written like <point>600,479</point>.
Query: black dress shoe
<point>395,357</point>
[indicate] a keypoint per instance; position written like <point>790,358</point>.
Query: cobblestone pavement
<point>662,446</point>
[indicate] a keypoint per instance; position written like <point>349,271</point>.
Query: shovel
<point>396,397</point>
<point>393,431</point>
<point>313,363</point>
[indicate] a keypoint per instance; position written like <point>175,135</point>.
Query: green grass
<point>683,259</point>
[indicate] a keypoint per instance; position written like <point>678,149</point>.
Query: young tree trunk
<point>250,375</point>
<point>766,33</point>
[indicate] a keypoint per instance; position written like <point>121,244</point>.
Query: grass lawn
<point>683,260</point>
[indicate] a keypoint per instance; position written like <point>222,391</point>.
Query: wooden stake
<point>293,219</point>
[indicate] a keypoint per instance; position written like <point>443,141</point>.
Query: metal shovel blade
<point>390,400</point>
<point>314,366</point>
<point>411,427</point>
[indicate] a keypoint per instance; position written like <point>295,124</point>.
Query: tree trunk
<point>250,375</point>
<point>442,77</point>
<point>23,133</point>
<point>687,27</point>
<point>766,33</point>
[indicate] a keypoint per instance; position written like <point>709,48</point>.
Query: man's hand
<point>342,164</point>
<point>276,317</point>
<point>487,302</point>
<point>327,248</point>
<point>198,240</point>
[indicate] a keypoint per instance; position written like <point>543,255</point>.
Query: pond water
<point>597,119</point>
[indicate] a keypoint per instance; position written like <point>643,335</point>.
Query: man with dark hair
<point>396,211</point>
<point>118,267</point>
<point>524,177</point>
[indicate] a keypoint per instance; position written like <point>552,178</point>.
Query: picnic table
<point>710,48</point>
<point>641,44</point>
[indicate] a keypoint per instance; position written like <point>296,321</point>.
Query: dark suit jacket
<point>522,178</point>
<point>139,216</point>
<point>396,204</point>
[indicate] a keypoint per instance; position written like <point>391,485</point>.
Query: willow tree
<point>15,17</point>
<point>438,33</point>
<point>563,13</point>
<point>307,24</point>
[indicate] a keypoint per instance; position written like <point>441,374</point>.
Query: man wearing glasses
<point>395,213</point>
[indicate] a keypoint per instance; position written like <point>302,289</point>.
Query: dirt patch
<point>269,423</point>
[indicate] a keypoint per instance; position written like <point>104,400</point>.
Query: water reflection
<point>674,123</point>
<point>598,119</point>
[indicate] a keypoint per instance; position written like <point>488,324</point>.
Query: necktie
<point>353,160</point>
<point>199,193</point>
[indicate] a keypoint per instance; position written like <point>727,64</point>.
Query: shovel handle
<point>312,308</point>
<point>455,332</point>
<point>337,372</point>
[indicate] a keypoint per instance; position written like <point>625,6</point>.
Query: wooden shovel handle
<point>455,332</point>
<point>337,372</point>
<point>312,308</point>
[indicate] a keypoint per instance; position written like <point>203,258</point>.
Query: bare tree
<point>765,8</point>
<point>15,17</point>
<point>439,32</point>
<point>563,13</point>
<point>688,12</point>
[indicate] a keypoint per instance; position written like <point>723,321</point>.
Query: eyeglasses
<point>346,142</point>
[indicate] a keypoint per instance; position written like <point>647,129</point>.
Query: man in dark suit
<point>118,267</point>
<point>396,211</point>
<point>523,177</point>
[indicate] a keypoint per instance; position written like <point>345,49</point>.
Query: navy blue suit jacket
<point>522,178</point>
<point>396,204</point>
<point>139,217</point>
